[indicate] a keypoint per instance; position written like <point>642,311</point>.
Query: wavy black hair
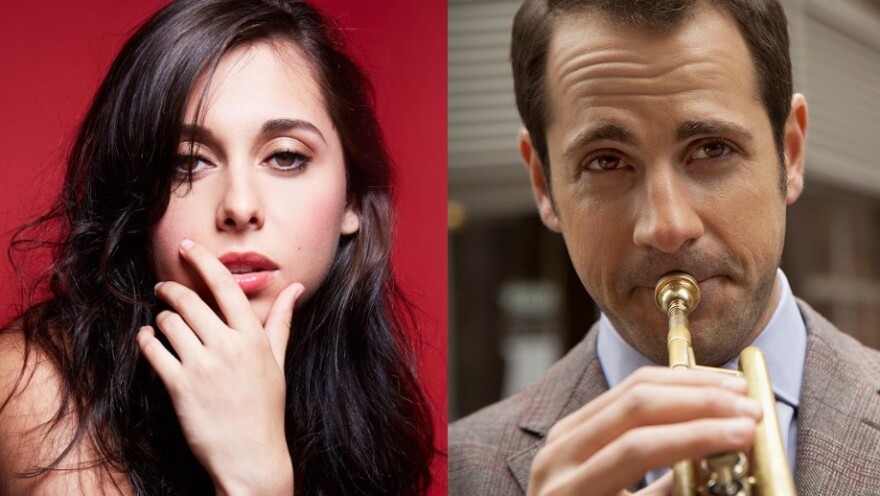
<point>357,420</point>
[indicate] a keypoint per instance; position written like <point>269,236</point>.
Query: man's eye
<point>603,163</point>
<point>287,161</point>
<point>713,149</point>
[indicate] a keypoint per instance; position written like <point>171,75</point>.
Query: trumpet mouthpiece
<point>677,286</point>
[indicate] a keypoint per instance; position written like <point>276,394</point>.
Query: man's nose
<point>240,208</point>
<point>666,215</point>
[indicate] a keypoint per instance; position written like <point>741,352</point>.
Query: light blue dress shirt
<point>783,341</point>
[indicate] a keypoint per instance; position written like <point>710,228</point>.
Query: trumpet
<point>725,474</point>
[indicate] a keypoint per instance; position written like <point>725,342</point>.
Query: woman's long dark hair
<point>357,420</point>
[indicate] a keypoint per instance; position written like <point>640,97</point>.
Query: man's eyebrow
<point>276,125</point>
<point>712,127</point>
<point>201,133</point>
<point>603,132</point>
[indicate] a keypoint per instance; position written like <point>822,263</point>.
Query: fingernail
<point>738,430</point>
<point>299,290</point>
<point>186,244</point>
<point>748,407</point>
<point>738,384</point>
<point>156,287</point>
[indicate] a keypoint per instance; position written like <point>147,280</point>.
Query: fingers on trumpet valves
<point>704,382</point>
<point>655,400</point>
<point>654,418</point>
<point>628,457</point>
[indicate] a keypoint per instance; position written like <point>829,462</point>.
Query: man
<point>663,136</point>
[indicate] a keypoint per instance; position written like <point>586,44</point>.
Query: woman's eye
<point>603,163</point>
<point>712,149</point>
<point>287,161</point>
<point>191,164</point>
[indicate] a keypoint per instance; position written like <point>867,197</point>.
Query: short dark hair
<point>761,23</point>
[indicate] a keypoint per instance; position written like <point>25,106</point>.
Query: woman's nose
<point>667,218</point>
<point>240,208</point>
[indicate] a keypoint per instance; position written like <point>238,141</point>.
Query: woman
<point>230,169</point>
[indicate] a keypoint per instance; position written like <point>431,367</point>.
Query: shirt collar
<point>783,341</point>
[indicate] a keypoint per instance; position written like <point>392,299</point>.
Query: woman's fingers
<point>194,320</point>
<point>197,314</point>
<point>162,361</point>
<point>280,317</point>
<point>181,337</point>
<point>230,298</point>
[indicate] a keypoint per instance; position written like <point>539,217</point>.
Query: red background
<point>53,55</point>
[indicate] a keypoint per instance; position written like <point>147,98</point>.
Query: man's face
<point>662,159</point>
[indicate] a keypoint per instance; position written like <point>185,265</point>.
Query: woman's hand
<point>228,385</point>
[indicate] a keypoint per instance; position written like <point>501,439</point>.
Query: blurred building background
<point>515,302</point>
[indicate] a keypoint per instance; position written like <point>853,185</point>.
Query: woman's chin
<point>261,307</point>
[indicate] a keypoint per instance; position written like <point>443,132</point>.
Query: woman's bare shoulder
<point>33,432</point>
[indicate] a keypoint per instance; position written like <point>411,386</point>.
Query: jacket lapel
<point>838,430</point>
<point>573,382</point>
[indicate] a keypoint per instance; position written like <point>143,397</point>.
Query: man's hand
<point>228,386</point>
<point>655,418</point>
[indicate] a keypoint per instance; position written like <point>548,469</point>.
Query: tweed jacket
<point>838,441</point>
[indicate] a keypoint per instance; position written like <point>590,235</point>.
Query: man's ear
<point>540,186</point>
<point>794,141</point>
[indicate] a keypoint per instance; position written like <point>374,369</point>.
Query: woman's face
<point>268,192</point>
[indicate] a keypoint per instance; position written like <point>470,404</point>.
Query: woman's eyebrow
<point>197,132</point>
<point>276,125</point>
<point>201,133</point>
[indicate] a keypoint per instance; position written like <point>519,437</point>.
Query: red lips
<point>247,262</point>
<point>252,271</point>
